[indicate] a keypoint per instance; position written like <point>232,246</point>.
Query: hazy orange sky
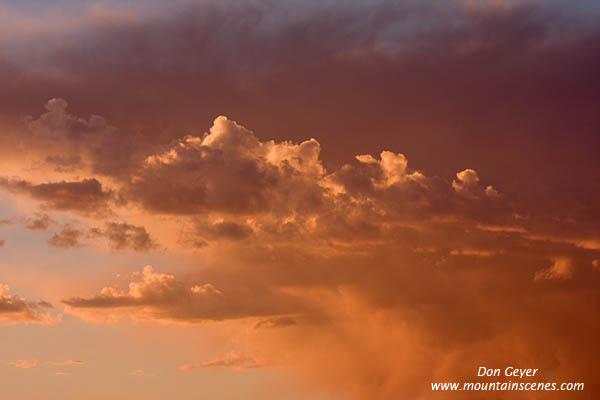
<point>337,200</point>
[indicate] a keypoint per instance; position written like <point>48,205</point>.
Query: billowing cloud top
<point>298,248</point>
<point>410,190</point>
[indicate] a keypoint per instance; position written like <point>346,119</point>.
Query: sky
<point>260,199</point>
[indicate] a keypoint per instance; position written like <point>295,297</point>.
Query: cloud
<point>159,296</point>
<point>64,163</point>
<point>373,251</point>
<point>67,362</point>
<point>220,229</point>
<point>2,242</point>
<point>231,171</point>
<point>122,235</point>
<point>471,252</point>
<point>141,373</point>
<point>369,242</point>
<point>119,235</point>
<point>36,362</point>
<point>237,187</point>
<point>15,309</point>
<point>85,197</point>
<point>39,222</point>
<point>275,322</point>
<point>107,148</point>
<point>467,184</point>
<point>68,237</point>
<point>25,363</point>
<point>561,268</point>
<point>234,360</point>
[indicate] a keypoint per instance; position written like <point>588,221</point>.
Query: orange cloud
<point>106,147</point>
<point>66,238</point>
<point>161,297</point>
<point>370,276</point>
<point>39,222</point>
<point>86,196</point>
<point>561,268</point>
<point>234,360</point>
<point>141,373</point>
<point>330,268</point>
<point>122,235</point>
<point>25,363</point>
<point>67,362</point>
<point>15,309</point>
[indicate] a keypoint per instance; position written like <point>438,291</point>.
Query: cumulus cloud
<point>467,184</point>
<point>370,243</point>
<point>394,167</point>
<point>284,238</point>
<point>160,296</point>
<point>15,309</point>
<point>230,170</point>
<point>237,187</point>
<point>298,250</point>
